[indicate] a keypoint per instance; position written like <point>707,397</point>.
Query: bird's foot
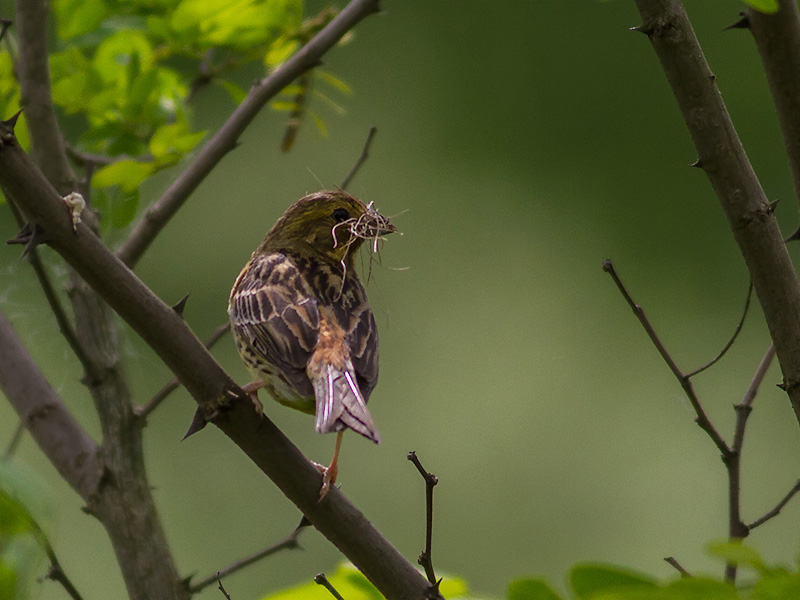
<point>328,477</point>
<point>251,389</point>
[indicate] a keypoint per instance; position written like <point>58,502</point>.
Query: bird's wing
<point>270,306</point>
<point>362,339</point>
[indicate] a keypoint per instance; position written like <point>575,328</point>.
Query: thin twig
<point>63,322</point>
<point>320,579</point>
<point>778,507</point>
<point>14,442</point>
<point>702,419</point>
<point>143,411</point>
<point>289,542</point>
<point>56,572</point>
<point>361,159</point>
<point>672,561</point>
<point>309,56</point>
<point>745,407</point>
<point>223,590</point>
<point>736,332</point>
<point>425,559</point>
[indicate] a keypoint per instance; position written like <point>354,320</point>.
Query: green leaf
<point>738,554</point>
<point>171,142</point>
<point>323,129</point>
<point>280,51</point>
<point>531,589</point>
<point>8,581</point>
<point>77,17</point>
<point>700,588</point>
<point>127,174</point>
<point>764,6</point>
<point>334,81</point>
<point>14,518</point>
<point>777,585</point>
<point>352,585</point>
<point>590,580</point>
<point>237,93</point>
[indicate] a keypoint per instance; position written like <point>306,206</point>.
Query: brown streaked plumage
<point>300,315</point>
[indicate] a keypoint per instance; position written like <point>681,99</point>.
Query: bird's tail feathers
<point>340,403</point>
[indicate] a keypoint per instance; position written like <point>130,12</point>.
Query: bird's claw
<point>251,389</point>
<point>328,478</point>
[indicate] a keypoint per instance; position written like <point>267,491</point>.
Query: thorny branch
<point>426,558</point>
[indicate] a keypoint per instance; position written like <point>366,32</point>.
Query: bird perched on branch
<point>301,319</point>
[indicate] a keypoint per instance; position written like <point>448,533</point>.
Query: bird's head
<point>327,224</point>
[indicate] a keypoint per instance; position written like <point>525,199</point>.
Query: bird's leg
<point>330,472</point>
<point>251,389</point>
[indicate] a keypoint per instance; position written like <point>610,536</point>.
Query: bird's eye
<point>340,214</point>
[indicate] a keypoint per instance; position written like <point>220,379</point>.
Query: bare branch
<point>426,558</point>
<point>361,159</point>
<point>56,307</point>
<point>223,590</point>
<point>678,567</point>
<point>219,399</point>
<point>61,438</point>
<point>777,39</point>
<point>702,419</point>
<point>287,543</point>
<point>162,394</point>
<point>157,216</point>
<point>320,579</point>
<point>730,173</point>
<point>55,572</point>
<point>34,77</point>
<point>744,408</point>
<point>736,332</point>
<point>778,507</point>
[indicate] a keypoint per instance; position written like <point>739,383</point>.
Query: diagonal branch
<point>70,449</point>
<point>287,543</point>
<point>702,419</point>
<point>777,509</point>
<point>219,399</point>
<point>777,39</point>
<point>157,216</point>
<point>730,173</point>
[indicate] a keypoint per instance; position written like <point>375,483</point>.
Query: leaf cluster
<point>124,73</point>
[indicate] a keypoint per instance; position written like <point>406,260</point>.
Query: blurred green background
<point>520,143</point>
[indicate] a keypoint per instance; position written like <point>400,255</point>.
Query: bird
<point>301,320</point>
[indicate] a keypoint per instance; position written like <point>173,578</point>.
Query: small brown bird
<point>301,319</point>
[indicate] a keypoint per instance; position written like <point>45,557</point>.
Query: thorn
<point>772,205</point>
<point>198,422</point>
<point>607,265</point>
<point>712,77</point>
<point>742,23</point>
<point>642,29</point>
<point>178,308</point>
<point>304,522</point>
<point>698,164</point>
<point>11,122</point>
<point>781,385</point>
<point>31,235</point>
<point>432,593</point>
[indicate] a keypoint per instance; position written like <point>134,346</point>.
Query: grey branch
<point>777,39</point>
<point>70,449</point>
<point>730,173</point>
<point>218,397</point>
<point>157,216</point>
